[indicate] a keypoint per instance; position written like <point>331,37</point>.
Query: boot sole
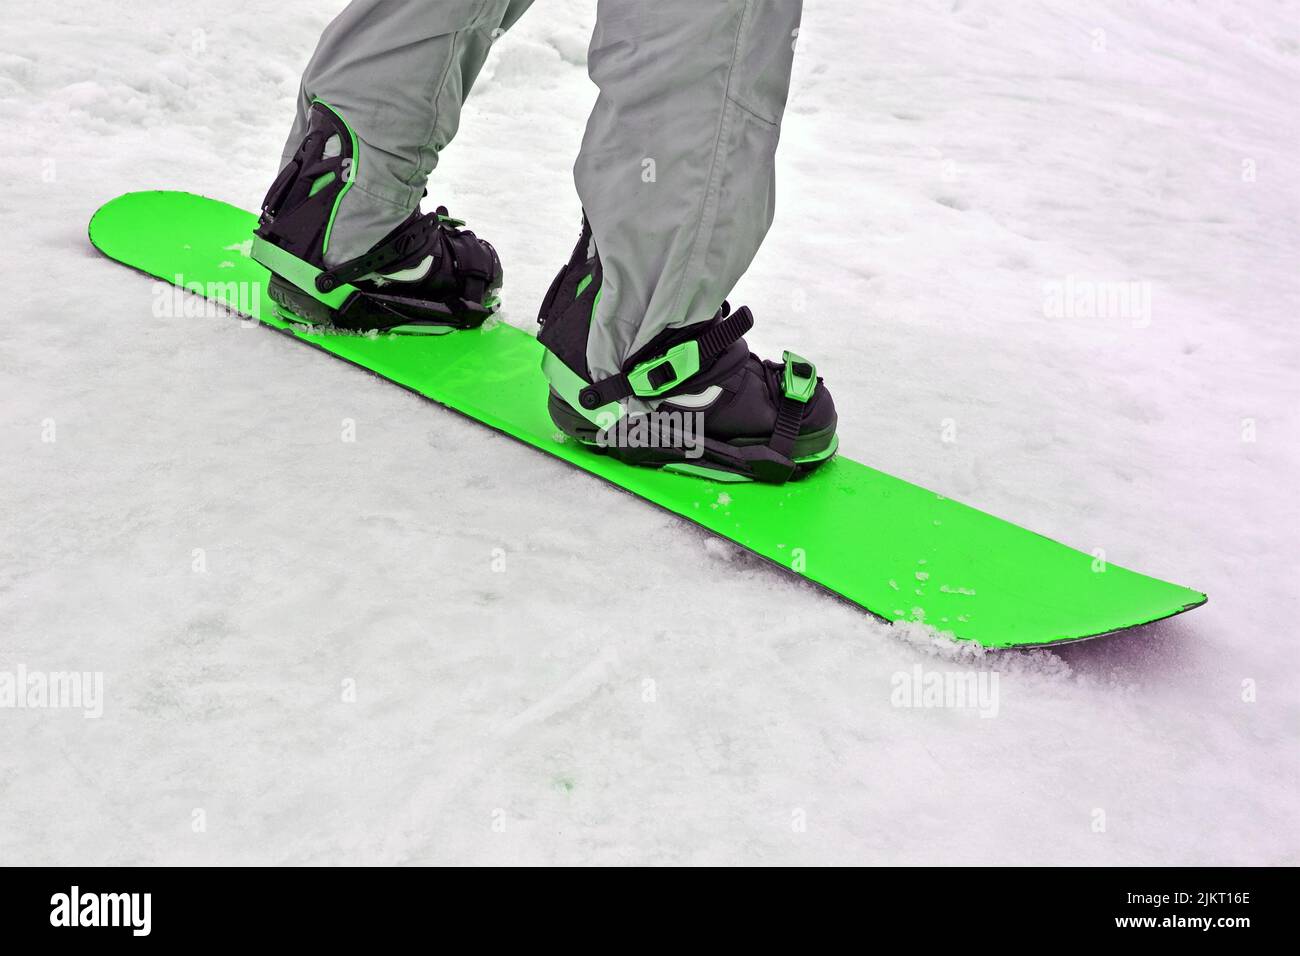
<point>719,461</point>
<point>365,312</point>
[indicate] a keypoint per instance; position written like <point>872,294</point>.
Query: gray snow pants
<point>676,167</point>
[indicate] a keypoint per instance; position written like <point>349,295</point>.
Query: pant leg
<point>676,172</point>
<point>398,72</point>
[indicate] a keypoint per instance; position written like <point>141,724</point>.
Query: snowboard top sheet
<point>897,550</point>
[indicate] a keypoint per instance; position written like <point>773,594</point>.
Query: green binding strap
<point>568,383</point>
<point>799,380</point>
<point>703,471</point>
<point>666,372</point>
<point>655,376</point>
<point>301,274</point>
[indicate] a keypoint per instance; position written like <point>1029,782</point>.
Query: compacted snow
<point>1044,253</point>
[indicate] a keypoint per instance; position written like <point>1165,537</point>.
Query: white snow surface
<point>546,671</point>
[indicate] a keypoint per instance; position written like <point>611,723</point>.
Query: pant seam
<point>435,99</point>
<point>740,104</point>
<point>709,205</point>
<point>433,128</point>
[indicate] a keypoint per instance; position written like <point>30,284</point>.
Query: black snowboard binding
<point>718,411</point>
<point>427,276</point>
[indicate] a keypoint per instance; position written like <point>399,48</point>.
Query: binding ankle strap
<point>395,249</point>
<point>667,371</point>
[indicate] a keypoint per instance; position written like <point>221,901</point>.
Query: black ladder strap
<point>789,418</point>
<point>395,249</point>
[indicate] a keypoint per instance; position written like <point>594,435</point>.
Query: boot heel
<point>294,305</point>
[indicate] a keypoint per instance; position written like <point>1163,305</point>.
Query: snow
<point>432,645</point>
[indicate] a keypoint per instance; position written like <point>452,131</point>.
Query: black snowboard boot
<point>717,410</point>
<point>427,276</point>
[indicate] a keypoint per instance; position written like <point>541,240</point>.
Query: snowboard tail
<point>895,549</point>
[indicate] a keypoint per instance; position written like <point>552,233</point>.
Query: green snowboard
<point>895,549</point>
